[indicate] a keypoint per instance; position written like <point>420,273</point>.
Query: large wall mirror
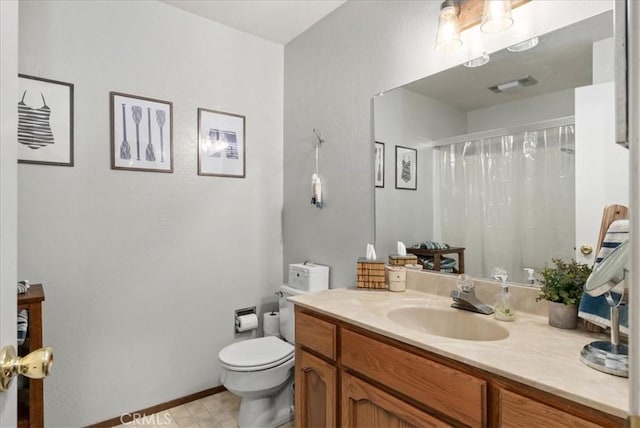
<point>514,160</point>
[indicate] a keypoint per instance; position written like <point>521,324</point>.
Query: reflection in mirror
<point>610,272</point>
<point>609,356</point>
<point>509,153</point>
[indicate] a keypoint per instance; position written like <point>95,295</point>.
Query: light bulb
<point>496,16</point>
<point>448,37</point>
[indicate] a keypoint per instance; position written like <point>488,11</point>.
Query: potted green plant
<point>562,286</point>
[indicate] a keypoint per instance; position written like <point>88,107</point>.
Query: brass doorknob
<point>36,365</point>
<point>586,250</point>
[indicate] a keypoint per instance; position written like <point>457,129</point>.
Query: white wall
<point>142,271</point>
<point>520,112</point>
<point>406,118</point>
<point>331,72</point>
<point>8,191</point>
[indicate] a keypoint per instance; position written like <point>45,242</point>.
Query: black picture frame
<point>406,168</point>
<point>45,133</point>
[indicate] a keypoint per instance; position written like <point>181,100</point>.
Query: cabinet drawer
<point>442,388</point>
<point>519,411</point>
<point>316,334</point>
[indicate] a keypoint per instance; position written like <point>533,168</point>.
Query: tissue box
<point>409,259</point>
<point>370,273</point>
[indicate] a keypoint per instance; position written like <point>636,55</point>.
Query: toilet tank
<point>308,277</point>
<point>303,279</point>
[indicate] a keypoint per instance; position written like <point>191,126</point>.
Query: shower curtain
<point>509,200</point>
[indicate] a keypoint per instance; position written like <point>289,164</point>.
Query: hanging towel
<point>596,309</point>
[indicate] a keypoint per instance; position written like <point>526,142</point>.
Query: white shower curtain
<point>509,200</point>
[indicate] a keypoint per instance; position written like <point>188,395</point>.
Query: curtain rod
<point>534,126</point>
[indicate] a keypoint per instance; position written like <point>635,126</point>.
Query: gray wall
<point>142,270</point>
<point>406,118</point>
<point>331,72</point>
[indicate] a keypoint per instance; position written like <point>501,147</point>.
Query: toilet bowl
<point>260,370</point>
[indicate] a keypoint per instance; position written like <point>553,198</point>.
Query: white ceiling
<point>562,60</point>
<point>277,20</point>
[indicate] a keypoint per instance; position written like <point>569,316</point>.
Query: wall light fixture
<point>448,37</point>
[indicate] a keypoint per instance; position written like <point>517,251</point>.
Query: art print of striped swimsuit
<point>34,130</point>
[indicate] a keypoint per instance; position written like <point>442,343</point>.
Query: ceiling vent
<point>513,85</point>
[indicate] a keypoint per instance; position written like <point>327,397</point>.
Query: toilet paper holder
<point>241,312</point>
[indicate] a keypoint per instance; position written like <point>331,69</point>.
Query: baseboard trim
<point>130,416</point>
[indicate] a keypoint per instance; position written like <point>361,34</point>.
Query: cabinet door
<point>365,406</point>
<point>315,392</point>
<point>519,411</point>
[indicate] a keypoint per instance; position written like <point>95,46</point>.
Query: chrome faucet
<point>465,297</point>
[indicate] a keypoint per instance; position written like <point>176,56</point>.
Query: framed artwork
<point>221,144</point>
<point>45,121</point>
<point>378,168</point>
<point>406,168</point>
<point>141,133</point>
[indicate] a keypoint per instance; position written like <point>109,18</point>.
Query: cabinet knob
<point>36,365</point>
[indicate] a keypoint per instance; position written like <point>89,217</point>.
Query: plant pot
<point>563,316</point>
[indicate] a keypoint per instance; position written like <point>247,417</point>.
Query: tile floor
<point>215,411</point>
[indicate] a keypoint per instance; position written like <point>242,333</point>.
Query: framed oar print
<point>141,133</point>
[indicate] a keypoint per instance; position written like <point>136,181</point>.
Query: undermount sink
<point>455,324</point>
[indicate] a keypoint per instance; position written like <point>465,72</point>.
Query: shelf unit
<point>436,254</point>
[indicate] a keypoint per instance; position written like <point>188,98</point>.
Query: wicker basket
<point>370,274</point>
<point>409,259</point>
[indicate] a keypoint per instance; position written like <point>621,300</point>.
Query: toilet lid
<point>256,354</point>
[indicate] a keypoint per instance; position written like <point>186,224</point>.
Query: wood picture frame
<point>141,133</point>
<point>221,144</point>
<point>45,133</point>
<point>406,168</point>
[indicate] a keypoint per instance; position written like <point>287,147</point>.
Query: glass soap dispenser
<point>503,309</point>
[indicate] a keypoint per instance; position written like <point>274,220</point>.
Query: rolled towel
<point>433,245</point>
<point>446,263</point>
<point>596,309</point>
<point>23,287</point>
<point>23,325</point>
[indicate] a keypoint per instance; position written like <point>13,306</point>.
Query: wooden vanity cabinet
<point>316,377</point>
<point>364,405</point>
<point>316,388</point>
<point>356,377</point>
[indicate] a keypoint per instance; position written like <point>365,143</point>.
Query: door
<point>8,191</point>
<point>315,392</point>
<point>365,406</point>
<point>601,183</point>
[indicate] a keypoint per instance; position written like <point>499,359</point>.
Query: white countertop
<point>535,354</point>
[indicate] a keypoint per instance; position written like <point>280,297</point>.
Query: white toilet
<point>261,370</point>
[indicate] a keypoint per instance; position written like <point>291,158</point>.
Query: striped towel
<point>432,245</point>
<point>596,309</point>
<point>23,325</point>
<point>23,287</point>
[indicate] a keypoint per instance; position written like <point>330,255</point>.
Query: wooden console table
<point>437,254</point>
<point>31,404</point>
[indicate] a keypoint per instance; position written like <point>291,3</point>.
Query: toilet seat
<point>256,354</point>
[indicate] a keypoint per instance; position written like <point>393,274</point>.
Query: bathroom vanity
<point>356,367</point>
